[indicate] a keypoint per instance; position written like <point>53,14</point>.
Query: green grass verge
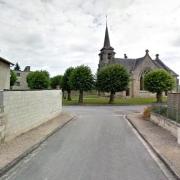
<point>97,100</point>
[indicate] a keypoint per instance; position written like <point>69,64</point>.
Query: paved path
<point>97,145</point>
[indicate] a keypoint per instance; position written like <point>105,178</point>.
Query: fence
<point>171,109</point>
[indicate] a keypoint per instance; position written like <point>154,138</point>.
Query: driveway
<point>97,145</point>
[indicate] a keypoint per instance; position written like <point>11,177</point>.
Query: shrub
<point>56,81</point>
<point>147,113</point>
<point>38,80</point>
<point>13,78</point>
<point>160,109</point>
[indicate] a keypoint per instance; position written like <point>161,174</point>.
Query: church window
<point>109,55</point>
<point>142,83</point>
<point>142,88</point>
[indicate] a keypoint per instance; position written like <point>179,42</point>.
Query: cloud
<point>53,34</point>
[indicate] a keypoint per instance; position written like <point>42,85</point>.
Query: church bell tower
<point>107,53</point>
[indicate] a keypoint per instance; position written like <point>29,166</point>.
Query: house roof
<point>6,61</point>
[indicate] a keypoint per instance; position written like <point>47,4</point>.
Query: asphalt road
<point>98,145</point>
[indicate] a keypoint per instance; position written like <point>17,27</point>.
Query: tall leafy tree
<point>13,78</point>
<point>82,80</point>
<point>159,81</point>
<point>38,80</point>
<point>66,84</point>
<point>17,67</point>
<point>56,81</point>
<point>112,78</point>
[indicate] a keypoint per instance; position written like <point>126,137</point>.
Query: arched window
<point>142,83</point>
<point>142,88</point>
<point>109,55</point>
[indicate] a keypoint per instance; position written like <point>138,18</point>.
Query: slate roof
<point>6,61</point>
<point>132,64</point>
<point>107,44</point>
<point>159,63</point>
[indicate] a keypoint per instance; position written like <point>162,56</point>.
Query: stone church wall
<point>24,110</point>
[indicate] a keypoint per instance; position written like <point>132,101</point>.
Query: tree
<point>56,81</point>
<point>112,78</point>
<point>17,67</point>
<point>38,80</point>
<point>159,81</point>
<point>82,80</point>
<point>66,84</point>
<point>13,78</point>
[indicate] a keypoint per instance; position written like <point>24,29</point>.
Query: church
<point>137,68</point>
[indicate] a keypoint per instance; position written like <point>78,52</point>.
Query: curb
<point>7,167</point>
<point>163,159</point>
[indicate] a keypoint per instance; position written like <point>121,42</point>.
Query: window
<point>142,88</point>
<point>18,74</point>
<point>17,83</point>
<point>109,55</point>
<point>142,82</point>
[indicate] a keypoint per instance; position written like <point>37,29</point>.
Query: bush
<point>38,80</point>
<point>147,113</point>
<point>160,109</point>
<point>56,82</point>
<point>13,78</point>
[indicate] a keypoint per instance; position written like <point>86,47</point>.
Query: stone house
<point>136,67</point>
<point>21,82</point>
<point>4,73</point>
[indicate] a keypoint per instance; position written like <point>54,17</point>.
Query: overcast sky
<point>56,34</point>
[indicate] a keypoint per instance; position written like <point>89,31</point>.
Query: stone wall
<point>24,110</point>
<point>174,106</point>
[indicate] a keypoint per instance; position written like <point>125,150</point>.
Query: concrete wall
<point>4,75</point>
<point>24,110</point>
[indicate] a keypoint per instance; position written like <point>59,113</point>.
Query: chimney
<point>157,56</point>
<point>125,56</point>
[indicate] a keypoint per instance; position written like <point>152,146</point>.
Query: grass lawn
<point>97,100</point>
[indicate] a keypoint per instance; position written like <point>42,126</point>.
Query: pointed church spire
<point>106,39</point>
